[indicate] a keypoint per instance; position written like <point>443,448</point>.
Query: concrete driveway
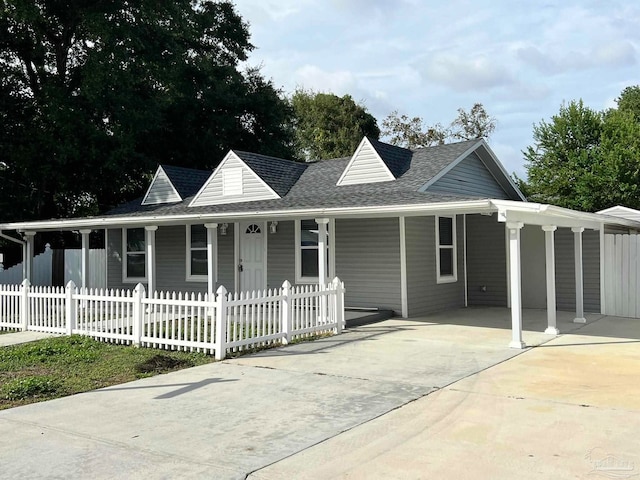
<point>398,399</point>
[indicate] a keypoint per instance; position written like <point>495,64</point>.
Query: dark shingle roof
<point>278,173</point>
<point>397,159</point>
<point>315,185</point>
<point>187,181</point>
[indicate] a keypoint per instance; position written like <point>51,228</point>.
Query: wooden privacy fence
<point>213,324</point>
<point>622,275</point>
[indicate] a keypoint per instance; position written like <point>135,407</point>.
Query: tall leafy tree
<point>93,94</point>
<point>411,132</point>
<point>328,126</point>
<point>586,159</point>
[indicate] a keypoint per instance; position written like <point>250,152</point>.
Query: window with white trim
<point>197,267</point>
<point>307,251</point>
<point>446,258</point>
<point>134,264</point>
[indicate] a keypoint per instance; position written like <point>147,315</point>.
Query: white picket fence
<point>622,275</point>
<point>226,322</point>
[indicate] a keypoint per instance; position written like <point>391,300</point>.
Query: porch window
<point>307,251</point>
<point>446,258</point>
<point>197,253</point>
<point>135,256</point>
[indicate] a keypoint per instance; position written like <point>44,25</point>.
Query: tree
<point>93,94</point>
<point>629,101</point>
<point>585,159</point>
<point>328,126</point>
<point>412,133</point>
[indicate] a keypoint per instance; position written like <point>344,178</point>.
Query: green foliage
<point>328,126</point>
<point>586,159</point>
<point>94,94</point>
<point>407,132</point>
<point>61,366</point>
<point>629,101</point>
<point>30,388</point>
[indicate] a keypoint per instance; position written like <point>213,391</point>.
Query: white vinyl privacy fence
<point>226,322</point>
<point>43,267</point>
<point>622,275</point>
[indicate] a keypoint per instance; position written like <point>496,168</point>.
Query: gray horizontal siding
<point>424,294</point>
<point>281,255</point>
<point>252,187</point>
<point>533,267</point>
<point>470,177</point>
<point>565,270</point>
<point>171,258</point>
<point>368,262</point>
<point>226,259</point>
<point>486,261</point>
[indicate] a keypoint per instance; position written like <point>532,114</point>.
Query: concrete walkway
<point>17,338</point>
<point>399,399</point>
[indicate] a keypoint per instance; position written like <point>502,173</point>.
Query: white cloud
<point>467,74</point>
<point>314,78</point>
<point>616,54</point>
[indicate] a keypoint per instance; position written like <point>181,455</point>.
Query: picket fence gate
<point>215,324</point>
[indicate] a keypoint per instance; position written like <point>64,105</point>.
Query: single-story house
<point>413,231</point>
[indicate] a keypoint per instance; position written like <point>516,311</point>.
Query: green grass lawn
<point>61,366</point>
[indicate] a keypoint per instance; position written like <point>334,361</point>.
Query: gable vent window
<point>446,261</point>
<point>232,181</point>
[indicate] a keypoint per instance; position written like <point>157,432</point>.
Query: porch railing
<point>216,324</point>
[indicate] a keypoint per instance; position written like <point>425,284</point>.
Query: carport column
<point>577,251</point>
<point>552,328</point>
<point>27,256</point>
<point>322,250</point>
<point>516,284</point>
<point>151,259</point>
<point>212,255</point>
<point>85,258</point>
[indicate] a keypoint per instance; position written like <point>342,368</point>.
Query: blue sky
<point>424,58</point>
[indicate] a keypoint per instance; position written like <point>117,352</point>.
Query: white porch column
<point>577,250</point>
<point>322,250</point>
<point>212,255</point>
<point>552,327</point>
<point>150,258</point>
<point>85,258</point>
<point>516,284</point>
<point>27,256</point>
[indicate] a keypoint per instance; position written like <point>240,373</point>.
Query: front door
<point>252,262</point>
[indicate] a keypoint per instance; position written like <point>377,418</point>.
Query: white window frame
<point>447,278</point>
<point>188,276</point>
<point>126,253</point>
<point>330,252</point>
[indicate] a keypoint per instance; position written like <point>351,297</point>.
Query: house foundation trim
<point>516,284</point>
<point>550,267</point>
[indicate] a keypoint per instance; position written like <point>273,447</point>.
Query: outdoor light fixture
<point>223,228</point>
<point>273,228</point>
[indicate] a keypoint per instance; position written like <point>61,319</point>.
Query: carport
<point>559,277</point>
